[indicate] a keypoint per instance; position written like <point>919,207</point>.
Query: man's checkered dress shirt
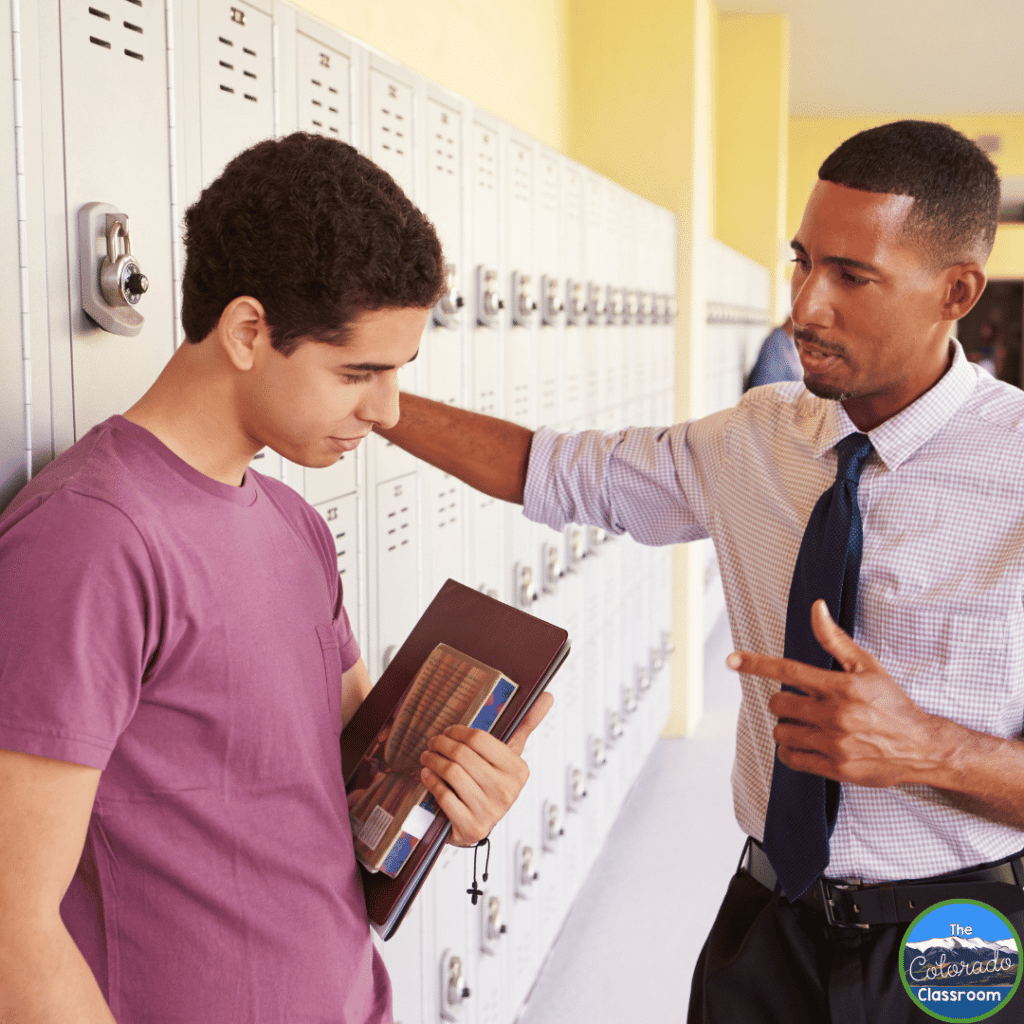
<point>941,597</point>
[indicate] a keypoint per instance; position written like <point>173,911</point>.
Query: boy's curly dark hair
<point>316,232</point>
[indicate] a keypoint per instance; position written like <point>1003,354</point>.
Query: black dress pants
<point>767,962</point>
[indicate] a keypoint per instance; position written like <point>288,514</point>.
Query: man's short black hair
<point>954,184</point>
<point>315,231</point>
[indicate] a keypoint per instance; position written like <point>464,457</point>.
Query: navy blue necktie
<point>802,807</point>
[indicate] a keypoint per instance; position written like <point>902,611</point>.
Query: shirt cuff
<point>540,495</point>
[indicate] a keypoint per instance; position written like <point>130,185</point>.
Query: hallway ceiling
<point>918,57</point>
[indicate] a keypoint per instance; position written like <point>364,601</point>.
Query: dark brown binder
<point>526,649</point>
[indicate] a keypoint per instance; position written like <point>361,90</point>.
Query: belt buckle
<point>847,885</point>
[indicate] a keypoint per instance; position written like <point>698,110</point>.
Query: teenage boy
<point>176,663</point>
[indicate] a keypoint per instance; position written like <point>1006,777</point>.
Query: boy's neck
<point>192,409</point>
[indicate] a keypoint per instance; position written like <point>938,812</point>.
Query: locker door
<point>332,481</point>
<point>448,959</point>
<point>14,433</point>
<point>524,852</point>
<point>395,579</point>
<point>572,771</point>
<point>486,545</point>
<point>615,369</point>
<point>342,516</point>
<point>574,336</point>
<point>595,241</point>
<point>323,88</point>
<point>551,291</point>
<point>402,955</point>
<point>630,338</point>
<point>390,144</point>
<point>444,517</point>
<point>520,337</point>
<point>442,356</point>
<point>390,127</point>
<point>444,524</point>
<point>489,936</point>
<point>485,330</point>
<point>520,354</point>
<point>487,300</point>
<point>109,52</point>
<point>235,81</point>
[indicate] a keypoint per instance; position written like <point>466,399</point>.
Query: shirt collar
<point>901,435</point>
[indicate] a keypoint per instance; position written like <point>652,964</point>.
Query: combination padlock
<point>121,279</point>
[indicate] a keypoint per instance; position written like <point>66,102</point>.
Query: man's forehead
<point>865,223</point>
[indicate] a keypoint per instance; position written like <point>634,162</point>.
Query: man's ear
<point>242,330</point>
<point>964,284</point>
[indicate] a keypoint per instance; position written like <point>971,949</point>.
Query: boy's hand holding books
<point>475,778</point>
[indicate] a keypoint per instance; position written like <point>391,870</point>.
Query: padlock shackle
<point>115,228</point>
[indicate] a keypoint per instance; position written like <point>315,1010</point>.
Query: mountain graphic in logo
<point>962,960</point>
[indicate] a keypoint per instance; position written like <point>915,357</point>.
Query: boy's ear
<point>241,331</point>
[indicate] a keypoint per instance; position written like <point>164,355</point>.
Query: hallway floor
<point>628,947</point>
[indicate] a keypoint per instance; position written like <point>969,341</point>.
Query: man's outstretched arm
<point>487,453</point>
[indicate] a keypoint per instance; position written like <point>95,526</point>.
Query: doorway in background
<point>991,332</point>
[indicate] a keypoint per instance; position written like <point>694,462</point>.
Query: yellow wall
<point>751,132</point>
<point>811,139</point>
<point>640,112</point>
<point>506,56</point>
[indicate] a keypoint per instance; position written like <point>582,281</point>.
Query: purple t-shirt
<point>188,638</point>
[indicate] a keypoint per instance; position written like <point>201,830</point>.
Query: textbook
<point>469,660</point>
<point>389,807</point>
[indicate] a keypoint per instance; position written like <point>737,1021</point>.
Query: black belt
<point>847,903</point>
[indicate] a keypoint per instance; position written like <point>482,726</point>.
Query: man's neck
<point>191,409</point>
<point>871,411</point>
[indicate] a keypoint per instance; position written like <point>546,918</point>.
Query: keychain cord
<point>474,891</point>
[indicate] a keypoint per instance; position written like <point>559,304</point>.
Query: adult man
<point>921,459</point>
<point>176,663</point>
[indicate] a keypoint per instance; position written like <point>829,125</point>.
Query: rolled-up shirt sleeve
<point>650,482</point>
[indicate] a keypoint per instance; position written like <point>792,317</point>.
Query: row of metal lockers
<point>560,311</point>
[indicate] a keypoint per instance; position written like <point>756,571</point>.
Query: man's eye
<point>356,378</point>
<point>849,278</point>
<point>800,262</point>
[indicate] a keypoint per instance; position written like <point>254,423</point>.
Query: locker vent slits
<point>249,74</point>
<point>249,96</point>
<point>225,64</point>
<point>138,3</point>
<point>132,53</point>
<point>133,28</point>
<point>226,88</point>
<point>100,42</point>
<point>226,42</point>
<point>99,14</point>
<point>245,49</point>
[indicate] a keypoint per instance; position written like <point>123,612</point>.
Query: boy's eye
<point>356,378</point>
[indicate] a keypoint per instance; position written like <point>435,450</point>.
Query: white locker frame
<point>16,425</point>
